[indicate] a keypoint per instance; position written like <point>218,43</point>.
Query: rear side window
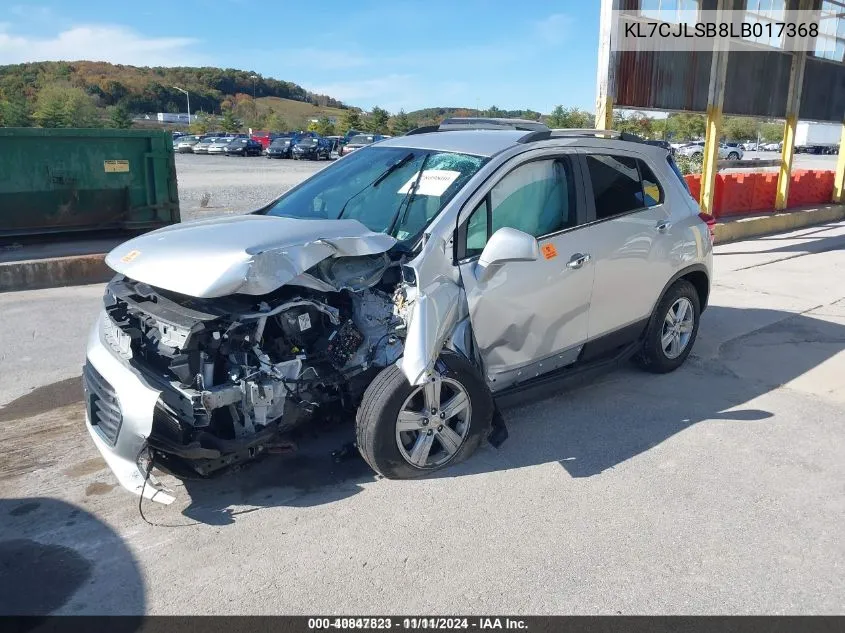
<point>678,173</point>
<point>622,184</point>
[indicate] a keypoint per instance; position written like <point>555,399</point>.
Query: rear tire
<point>432,440</point>
<point>672,329</point>
<point>733,156</point>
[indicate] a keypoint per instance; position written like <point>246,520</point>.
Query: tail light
<point>710,221</point>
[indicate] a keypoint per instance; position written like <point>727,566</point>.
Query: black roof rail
<point>481,123</point>
<point>423,130</point>
<point>583,132</point>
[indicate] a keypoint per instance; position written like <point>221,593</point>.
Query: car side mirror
<point>505,245</point>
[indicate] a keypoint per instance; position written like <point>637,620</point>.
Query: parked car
<point>360,140</point>
<point>243,147</point>
<point>751,146</point>
<point>696,150</point>
<point>185,144</point>
<point>201,146</point>
<point>406,287</point>
<point>219,145</point>
<point>280,147</point>
<point>772,147</point>
<point>312,148</point>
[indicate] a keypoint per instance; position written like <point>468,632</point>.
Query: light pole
<point>189,101</point>
<point>254,77</point>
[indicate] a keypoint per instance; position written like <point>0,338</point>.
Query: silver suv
<point>407,286</point>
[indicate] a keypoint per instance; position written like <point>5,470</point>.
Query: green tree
<point>228,121</point>
<point>351,121</point>
<point>14,112</point>
<point>685,127</point>
<point>324,126</point>
<point>61,105</point>
<point>119,117</point>
<point>274,122</point>
<point>771,132</point>
<point>377,121</point>
<point>569,118</point>
<point>740,128</point>
<point>401,124</point>
<point>200,124</point>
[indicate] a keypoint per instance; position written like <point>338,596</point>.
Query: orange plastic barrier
<point>810,186</point>
<point>737,193</point>
<point>694,184</point>
<point>765,192</point>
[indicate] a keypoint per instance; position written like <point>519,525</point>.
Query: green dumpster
<point>67,180</point>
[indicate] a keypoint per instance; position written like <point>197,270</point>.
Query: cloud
<point>115,44</point>
<point>553,30</point>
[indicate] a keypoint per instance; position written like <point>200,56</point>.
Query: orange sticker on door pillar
<point>549,251</point>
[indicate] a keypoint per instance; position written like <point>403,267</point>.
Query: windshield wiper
<point>399,163</point>
<point>409,197</point>
<point>402,161</point>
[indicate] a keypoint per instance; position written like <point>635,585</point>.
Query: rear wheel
<point>733,156</point>
<point>405,431</point>
<point>672,329</point>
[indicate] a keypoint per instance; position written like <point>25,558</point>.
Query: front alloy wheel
<point>432,425</point>
<point>405,431</point>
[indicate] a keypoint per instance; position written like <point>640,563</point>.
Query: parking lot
<point>233,184</point>
<point>715,489</point>
<point>236,185</point>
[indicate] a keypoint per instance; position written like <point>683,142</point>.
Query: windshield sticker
<point>402,235</point>
<point>434,182</point>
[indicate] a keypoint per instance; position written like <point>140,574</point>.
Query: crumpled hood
<point>250,254</point>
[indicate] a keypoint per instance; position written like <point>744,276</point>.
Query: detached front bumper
<point>119,405</point>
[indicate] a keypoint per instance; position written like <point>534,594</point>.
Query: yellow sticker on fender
<point>549,251</point>
<point>130,256</point>
<point>114,166</point>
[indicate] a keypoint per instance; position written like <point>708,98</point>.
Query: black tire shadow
<point>57,556</point>
<point>586,426</point>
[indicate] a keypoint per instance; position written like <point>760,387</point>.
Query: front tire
<point>404,432</point>
<point>733,156</point>
<point>672,329</point>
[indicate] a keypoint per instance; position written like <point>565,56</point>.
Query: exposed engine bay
<point>239,372</point>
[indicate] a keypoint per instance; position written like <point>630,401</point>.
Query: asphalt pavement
<point>715,489</point>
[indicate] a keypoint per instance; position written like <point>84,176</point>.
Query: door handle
<point>663,226</point>
<point>577,260</point>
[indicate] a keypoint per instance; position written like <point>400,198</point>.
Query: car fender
<point>437,305</point>
<point>433,318</point>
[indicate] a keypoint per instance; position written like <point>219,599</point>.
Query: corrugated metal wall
<point>756,85</point>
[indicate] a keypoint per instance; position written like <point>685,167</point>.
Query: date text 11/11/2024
<point>417,623</point>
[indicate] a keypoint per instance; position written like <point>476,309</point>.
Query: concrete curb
<point>52,272</point>
<point>754,226</point>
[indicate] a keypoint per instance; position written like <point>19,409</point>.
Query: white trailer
<point>817,138</point>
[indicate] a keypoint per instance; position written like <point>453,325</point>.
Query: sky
<point>468,53</point>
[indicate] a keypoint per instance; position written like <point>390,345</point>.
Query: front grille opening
<point>103,406</point>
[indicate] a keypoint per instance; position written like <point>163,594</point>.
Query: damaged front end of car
<point>299,334</point>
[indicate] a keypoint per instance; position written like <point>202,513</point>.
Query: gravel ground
<point>233,184</point>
